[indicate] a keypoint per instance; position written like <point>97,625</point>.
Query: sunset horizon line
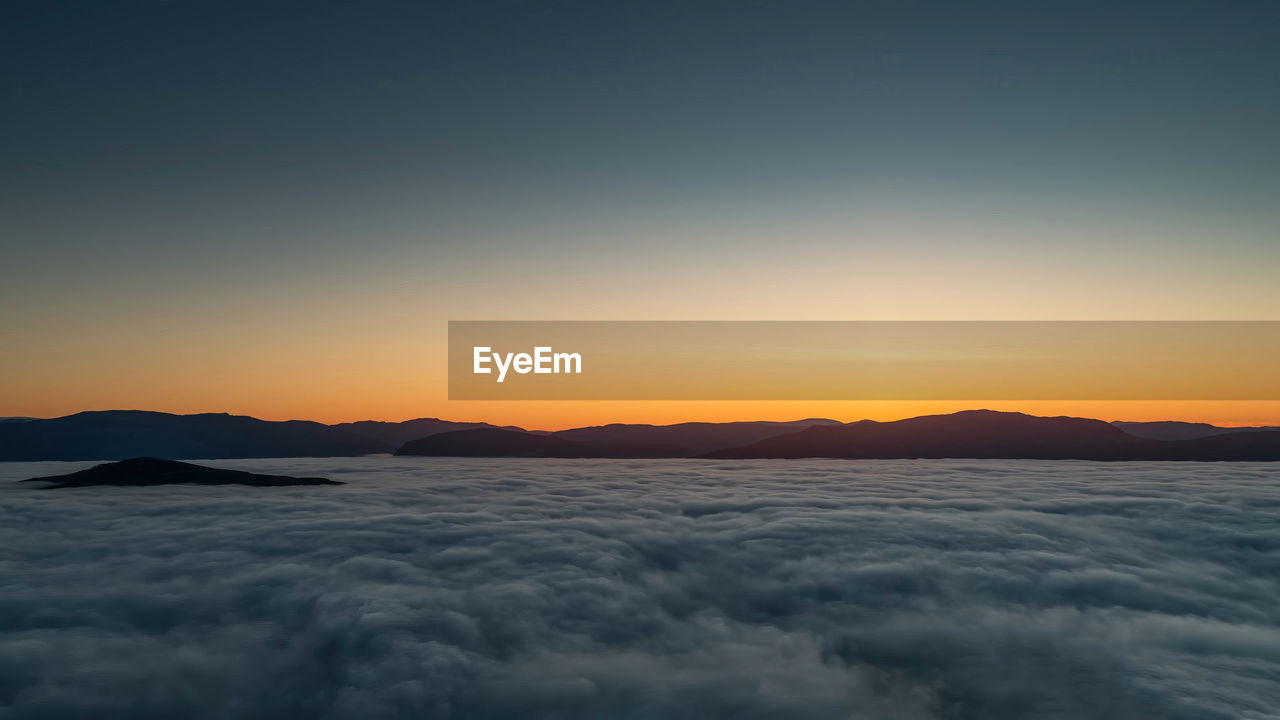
<point>1141,417</point>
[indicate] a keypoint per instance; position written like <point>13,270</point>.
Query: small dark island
<point>148,471</point>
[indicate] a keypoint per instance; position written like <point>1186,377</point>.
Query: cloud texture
<point>486,588</point>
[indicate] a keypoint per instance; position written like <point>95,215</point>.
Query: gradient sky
<point>274,208</point>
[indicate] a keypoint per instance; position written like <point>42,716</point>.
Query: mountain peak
<point>148,471</point>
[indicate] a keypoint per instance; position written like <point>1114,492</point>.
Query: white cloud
<point>490,588</point>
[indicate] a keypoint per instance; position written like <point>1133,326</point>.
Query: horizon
<point>278,210</point>
<point>535,428</point>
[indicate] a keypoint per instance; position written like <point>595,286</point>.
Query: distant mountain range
<point>691,438</point>
<point>989,434</point>
<point>488,442</point>
<point>1174,430</point>
<point>120,434</point>
<point>391,435</point>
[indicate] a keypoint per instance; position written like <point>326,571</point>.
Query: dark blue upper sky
<point>132,125</point>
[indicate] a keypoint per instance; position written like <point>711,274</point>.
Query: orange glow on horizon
<point>338,373</point>
<point>559,415</point>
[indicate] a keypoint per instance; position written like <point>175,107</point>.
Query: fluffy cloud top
<point>491,588</point>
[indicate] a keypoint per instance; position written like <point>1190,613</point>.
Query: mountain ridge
<point>120,434</point>
<point>988,434</point>
<point>496,442</point>
<point>1179,430</point>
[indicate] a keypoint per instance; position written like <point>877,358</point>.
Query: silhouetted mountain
<point>121,434</point>
<point>1258,445</point>
<point>391,435</point>
<point>14,419</point>
<point>144,471</point>
<point>118,434</point>
<point>968,434</point>
<point>486,442</point>
<point>1173,430</point>
<point>690,438</point>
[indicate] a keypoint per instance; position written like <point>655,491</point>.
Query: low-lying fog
<point>666,589</point>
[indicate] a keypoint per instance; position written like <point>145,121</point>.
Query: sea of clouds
<point>491,588</point>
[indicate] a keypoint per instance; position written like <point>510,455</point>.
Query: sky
<point>275,208</point>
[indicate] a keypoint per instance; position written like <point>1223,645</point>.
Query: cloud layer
<point>648,589</point>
